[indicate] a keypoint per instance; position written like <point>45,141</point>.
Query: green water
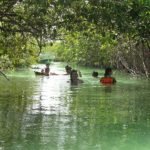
<point>48,113</point>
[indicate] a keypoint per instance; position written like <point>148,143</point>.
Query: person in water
<point>107,79</point>
<point>74,77</point>
<point>47,72</point>
<point>68,69</point>
<point>47,69</point>
<point>95,74</point>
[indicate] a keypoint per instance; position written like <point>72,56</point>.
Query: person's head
<point>74,75</point>
<point>68,69</point>
<point>47,65</point>
<point>95,74</point>
<point>108,71</point>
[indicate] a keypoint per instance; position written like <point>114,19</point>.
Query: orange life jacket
<point>107,80</point>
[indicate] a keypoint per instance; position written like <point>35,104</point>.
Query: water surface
<point>48,113</point>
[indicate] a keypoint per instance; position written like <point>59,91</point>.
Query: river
<point>48,113</point>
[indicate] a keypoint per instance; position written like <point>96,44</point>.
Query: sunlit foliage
<point>97,30</point>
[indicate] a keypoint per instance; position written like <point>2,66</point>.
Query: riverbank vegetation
<point>91,33</point>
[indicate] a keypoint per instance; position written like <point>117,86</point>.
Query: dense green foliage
<point>93,33</point>
<point>91,50</point>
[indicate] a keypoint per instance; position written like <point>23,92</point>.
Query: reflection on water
<point>49,95</point>
<point>48,113</point>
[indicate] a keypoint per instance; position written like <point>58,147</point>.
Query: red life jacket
<point>107,80</point>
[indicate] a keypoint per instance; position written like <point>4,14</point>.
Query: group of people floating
<point>107,78</point>
<point>74,75</point>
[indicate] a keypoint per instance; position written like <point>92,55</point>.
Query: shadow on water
<point>48,113</point>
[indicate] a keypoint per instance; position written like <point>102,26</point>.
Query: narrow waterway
<point>48,113</point>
